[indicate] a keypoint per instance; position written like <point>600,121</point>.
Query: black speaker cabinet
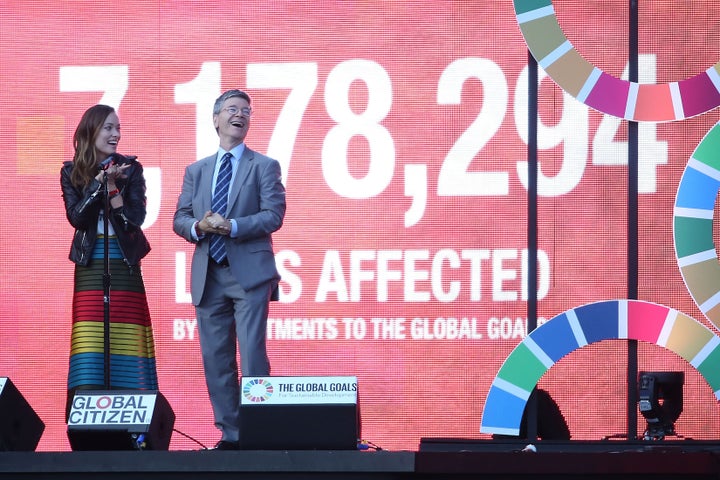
<point>20,427</point>
<point>299,413</point>
<point>120,420</point>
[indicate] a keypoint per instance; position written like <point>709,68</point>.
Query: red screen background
<point>401,129</point>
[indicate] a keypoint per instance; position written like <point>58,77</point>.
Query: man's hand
<point>214,223</point>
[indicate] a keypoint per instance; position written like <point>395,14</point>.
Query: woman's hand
<point>113,173</point>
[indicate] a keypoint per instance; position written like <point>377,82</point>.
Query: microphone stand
<point>106,283</point>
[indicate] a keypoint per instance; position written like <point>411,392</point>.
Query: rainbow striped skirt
<point>132,348</point>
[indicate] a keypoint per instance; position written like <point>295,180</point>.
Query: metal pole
<point>532,233</point>
<point>632,225</point>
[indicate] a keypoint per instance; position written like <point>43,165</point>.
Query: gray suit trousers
<point>229,318</point>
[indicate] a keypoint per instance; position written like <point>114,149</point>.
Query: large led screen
<point>402,132</point>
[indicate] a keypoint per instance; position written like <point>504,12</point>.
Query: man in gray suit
<point>229,206</point>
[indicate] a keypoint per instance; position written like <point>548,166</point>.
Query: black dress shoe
<point>226,445</point>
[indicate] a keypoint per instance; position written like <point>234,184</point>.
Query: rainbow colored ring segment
<point>693,225</point>
<point>584,325</point>
<point>258,390</point>
<point>606,93</point>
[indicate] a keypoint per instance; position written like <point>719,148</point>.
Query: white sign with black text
<point>298,390</point>
<point>111,409</point>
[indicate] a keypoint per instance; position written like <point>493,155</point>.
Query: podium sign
<point>20,427</point>
<point>299,413</point>
<point>120,420</point>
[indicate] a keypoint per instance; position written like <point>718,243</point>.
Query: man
<point>229,206</point>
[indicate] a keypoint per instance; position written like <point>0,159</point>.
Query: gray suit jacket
<point>256,203</point>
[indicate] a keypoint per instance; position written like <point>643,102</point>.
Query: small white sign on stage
<point>111,409</point>
<point>301,413</point>
<point>120,420</point>
<point>299,390</point>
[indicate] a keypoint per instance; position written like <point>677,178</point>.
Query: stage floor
<point>435,459</point>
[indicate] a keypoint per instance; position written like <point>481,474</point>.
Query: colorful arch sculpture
<point>594,322</point>
<point>603,92</point>
<point>693,225</point>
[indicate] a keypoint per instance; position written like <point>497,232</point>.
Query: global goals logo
<point>258,390</point>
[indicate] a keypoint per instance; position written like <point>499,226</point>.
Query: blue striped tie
<point>219,205</point>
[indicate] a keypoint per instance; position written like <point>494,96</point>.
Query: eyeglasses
<point>246,111</point>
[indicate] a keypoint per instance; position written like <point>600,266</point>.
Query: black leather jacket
<point>83,207</point>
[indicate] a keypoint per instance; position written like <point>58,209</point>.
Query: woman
<point>132,350</point>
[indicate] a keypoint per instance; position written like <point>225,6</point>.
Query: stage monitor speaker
<point>299,413</point>
<point>120,420</point>
<point>20,427</point>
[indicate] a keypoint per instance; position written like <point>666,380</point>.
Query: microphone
<point>106,163</point>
